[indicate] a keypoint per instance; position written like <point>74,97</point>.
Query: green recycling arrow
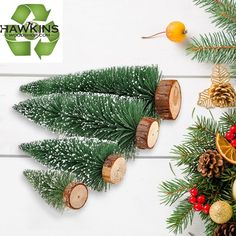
<point>19,48</point>
<point>22,12</point>
<point>23,48</point>
<point>46,48</point>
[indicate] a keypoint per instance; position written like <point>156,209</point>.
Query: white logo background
<point>56,15</point>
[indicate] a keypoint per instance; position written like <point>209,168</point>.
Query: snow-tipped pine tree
<point>92,161</point>
<point>141,82</point>
<point>58,189</point>
<point>121,119</point>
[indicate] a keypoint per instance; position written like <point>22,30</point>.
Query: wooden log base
<point>114,169</point>
<point>75,195</point>
<point>168,99</point>
<point>147,133</point>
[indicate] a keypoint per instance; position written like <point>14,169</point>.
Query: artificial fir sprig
<point>181,217</point>
<point>218,47</point>
<point>90,115</point>
<point>223,13</point>
<point>201,137</point>
<point>82,157</point>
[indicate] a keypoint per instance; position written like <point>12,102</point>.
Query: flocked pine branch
<point>50,185</point>
<point>82,157</point>
<point>137,81</point>
<point>90,115</point>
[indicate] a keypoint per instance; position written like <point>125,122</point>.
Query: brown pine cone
<point>222,95</point>
<point>227,229</point>
<point>210,164</point>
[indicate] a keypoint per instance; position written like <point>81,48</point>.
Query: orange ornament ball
<point>176,31</point>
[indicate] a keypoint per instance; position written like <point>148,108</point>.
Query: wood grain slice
<point>147,133</point>
<point>75,195</point>
<point>114,169</point>
<point>168,99</point>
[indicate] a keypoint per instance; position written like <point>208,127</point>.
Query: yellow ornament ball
<point>221,212</point>
<point>234,190</point>
<point>176,31</point>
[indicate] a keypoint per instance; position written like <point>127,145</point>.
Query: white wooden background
<point>107,33</point>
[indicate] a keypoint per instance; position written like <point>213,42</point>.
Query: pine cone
<point>228,229</point>
<point>222,94</point>
<point>210,164</point>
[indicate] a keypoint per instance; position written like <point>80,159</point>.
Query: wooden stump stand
<point>168,99</point>
<point>147,133</point>
<point>75,195</point>
<point>114,169</point>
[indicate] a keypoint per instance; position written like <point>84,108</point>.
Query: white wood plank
<point>131,208</point>
<point>106,33</point>
<point>17,129</point>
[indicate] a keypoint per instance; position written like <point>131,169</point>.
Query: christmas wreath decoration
<point>208,161</point>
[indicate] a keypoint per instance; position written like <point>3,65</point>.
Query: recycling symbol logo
<point>19,37</point>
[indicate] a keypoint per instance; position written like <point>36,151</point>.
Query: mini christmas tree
<point>217,47</point>
<point>95,163</point>
<point>208,160</point>
<point>58,189</point>
<point>142,82</point>
<point>124,120</point>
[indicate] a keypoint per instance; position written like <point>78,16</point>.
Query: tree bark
<point>114,169</point>
<point>147,133</point>
<point>75,195</point>
<point>168,99</point>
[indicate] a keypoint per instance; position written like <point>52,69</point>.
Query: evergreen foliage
<point>138,81</point>
<point>200,138</point>
<point>90,115</point>
<point>218,47</point>
<point>82,157</point>
<point>50,185</point>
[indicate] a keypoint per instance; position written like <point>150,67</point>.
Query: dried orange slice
<point>227,151</point>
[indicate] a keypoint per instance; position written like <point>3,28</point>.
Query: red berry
<point>229,136</point>
<point>233,129</point>
<point>206,208</point>
<point>192,199</point>
<point>233,143</point>
<point>201,199</point>
<point>197,207</point>
<point>194,192</point>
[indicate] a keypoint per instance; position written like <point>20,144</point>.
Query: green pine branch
<point>223,13</point>
<point>216,48</point>
<point>172,190</point>
<point>228,119</point>
<point>50,185</point>
<point>201,137</point>
<point>90,115</point>
<point>233,71</point>
<point>181,217</point>
<point>82,157</point>
<point>137,81</point>
<point>210,225</point>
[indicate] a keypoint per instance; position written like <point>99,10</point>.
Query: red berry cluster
<point>231,135</point>
<point>198,201</point>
